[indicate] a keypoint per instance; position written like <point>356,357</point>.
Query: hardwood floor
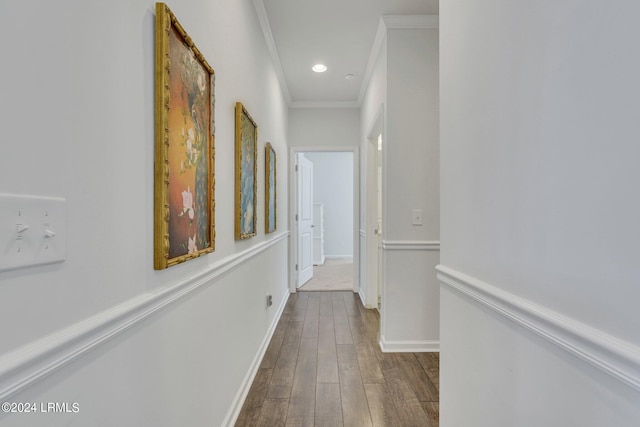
<point>323,367</point>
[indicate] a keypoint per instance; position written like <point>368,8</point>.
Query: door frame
<point>293,203</point>
<point>374,272</point>
<point>308,220</point>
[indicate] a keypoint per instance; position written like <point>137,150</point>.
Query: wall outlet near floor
<point>269,300</point>
<point>416,217</point>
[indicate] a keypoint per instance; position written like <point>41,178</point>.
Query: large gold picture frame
<point>246,174</point>
<point>184,203</point>
<point>270,218</point>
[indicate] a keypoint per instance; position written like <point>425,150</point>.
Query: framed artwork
<point>184,203</point>
<point>246,171</point>
<point>270,189</point>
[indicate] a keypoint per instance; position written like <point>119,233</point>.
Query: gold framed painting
<point>184,205</point>
<point>270,189</point>
<point>246,171</point>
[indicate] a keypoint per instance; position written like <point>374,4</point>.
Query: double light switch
<point>32,230</point>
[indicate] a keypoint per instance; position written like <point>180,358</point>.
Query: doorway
<point>374,216</point>
<point>325,182</point>
<point>304,219</point>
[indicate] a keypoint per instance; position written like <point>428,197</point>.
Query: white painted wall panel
<point>538,126</point>
<point>405,80</point>
<point>79,125</point>
<point>411,300</point>
<point>505,376</point>
<point>411,148</point>
<point>322,127</point>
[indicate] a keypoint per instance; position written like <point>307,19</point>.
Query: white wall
<point>324,127</point>
<point>411,162</point>
<point>539,214</point>
<point>333,187</point>
<point>405,81</point>
<point>411,148</point>
<point>78,108</point>
<point>330,127</point>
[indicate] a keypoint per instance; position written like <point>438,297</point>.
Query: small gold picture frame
<point>270,217</point>
<point>246,171</point>
<point>184,205</point>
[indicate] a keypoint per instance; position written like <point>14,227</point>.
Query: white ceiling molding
<point>411,21</point>
<point>373,56</point>
<point>386,22</point>
<point>392,22</point>
<point>271,46</point>
<point>335,104</point>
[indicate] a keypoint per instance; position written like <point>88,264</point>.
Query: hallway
<point>324,367</point>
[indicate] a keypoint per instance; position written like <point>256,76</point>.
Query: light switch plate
<point>417,217</point>
<point>33,230</point>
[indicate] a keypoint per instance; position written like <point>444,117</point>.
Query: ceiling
<point>337,33</point>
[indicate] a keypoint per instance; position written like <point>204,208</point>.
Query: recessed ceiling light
<point>350,76</point>
<point>319,68</point>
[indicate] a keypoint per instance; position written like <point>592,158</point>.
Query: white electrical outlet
<point>417,217</point>
<point>33,230</point>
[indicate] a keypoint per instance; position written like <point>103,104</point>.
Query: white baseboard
<point>363,298</point>
<point>338,256</point>
<point>616,357</point>
<point>243,391</point>
<point>409,346</point>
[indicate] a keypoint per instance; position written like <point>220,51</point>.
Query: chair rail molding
<point>618,358</point>
<point>31,363</point>
<point>411,245</point>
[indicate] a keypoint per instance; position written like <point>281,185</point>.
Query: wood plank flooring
<point>324,367</point>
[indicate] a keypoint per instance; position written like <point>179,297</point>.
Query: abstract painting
<point>270,189</point>
<point>246,171</point>
<point>184,208</point>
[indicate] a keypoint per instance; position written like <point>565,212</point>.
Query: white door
<point>374,223</point>
<point>379,212</point>
<point>305,219</point>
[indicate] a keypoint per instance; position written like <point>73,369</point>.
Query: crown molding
<point>381,33</point>
<point>261,11</point>
<point>324,104</point>
<point>388,22</point>
<point>411,21</point>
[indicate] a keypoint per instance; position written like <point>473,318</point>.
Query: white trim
<point>392,22</point>
<point>381,33</point>
<point>339,257</point>
<point>616,357</point>
<point>263,18</point>
<point>410,245</point>
<point>410,21</point>
<point>27,365</point>
<point>293,200</point>
<point>386,22</point>
<point>409,346</point>
<point>373,271</point>
<point>243,391</point>
<point>363,297</point>
<point>324,149</point>
<point>324,104</point>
